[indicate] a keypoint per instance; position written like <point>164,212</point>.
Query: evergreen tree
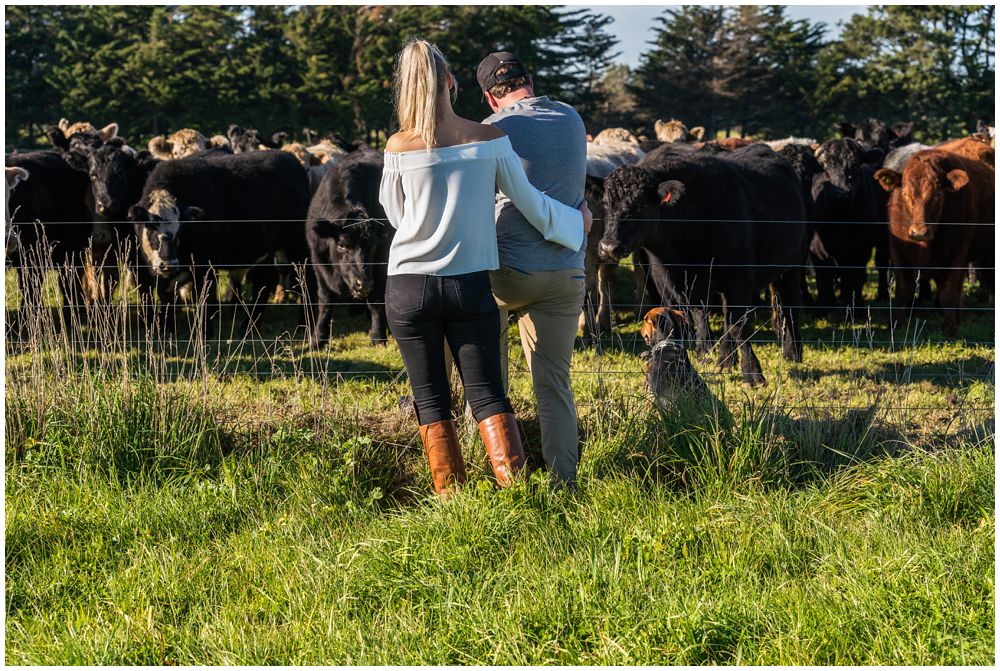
<point>931,64</point>
<point>680,76</point>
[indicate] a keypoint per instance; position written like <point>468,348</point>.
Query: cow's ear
<point>698,132</point>
<point>902,130</point>
<point>670,192</point>
<point>57,137</point>
<point>958,179</point>
<point>15,175</point>
<point>192,213</point>
<point>161,148</point>
<point>888,179</point>
<point>845,129</point>
<point>109,131</point>
<point>138,213</point>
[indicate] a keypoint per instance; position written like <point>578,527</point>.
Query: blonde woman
<point>438,186</point>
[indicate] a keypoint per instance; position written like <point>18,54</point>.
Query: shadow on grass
<point>698,442</point>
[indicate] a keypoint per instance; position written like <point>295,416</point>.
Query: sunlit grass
<point>246,501</point>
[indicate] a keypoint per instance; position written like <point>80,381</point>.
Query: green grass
<point>253,503</point>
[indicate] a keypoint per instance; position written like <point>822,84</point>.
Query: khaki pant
<point>548,303</point>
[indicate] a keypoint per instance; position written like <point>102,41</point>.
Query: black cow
<point>873,133</point>
<point>349,241</point>
<point>54,195</point>
<point>244,140</point>
<point>701,218</point>
<point>210,211</point>
<point>849,210</point>
<point>117,175</point>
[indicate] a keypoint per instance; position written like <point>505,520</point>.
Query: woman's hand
<point>588,218</point>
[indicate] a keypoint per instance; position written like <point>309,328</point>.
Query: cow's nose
<point>100,207</point>
<point>920,233</point>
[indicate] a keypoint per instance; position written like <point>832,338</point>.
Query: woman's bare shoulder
<point>400,142</point>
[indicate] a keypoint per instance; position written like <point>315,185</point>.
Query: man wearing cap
<point>539,280</point>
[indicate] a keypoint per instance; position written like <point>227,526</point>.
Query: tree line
<point>747,70</point>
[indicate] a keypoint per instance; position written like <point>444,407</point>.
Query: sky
<point>633,22</point>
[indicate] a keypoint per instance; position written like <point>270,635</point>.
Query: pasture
<point>244,500</point>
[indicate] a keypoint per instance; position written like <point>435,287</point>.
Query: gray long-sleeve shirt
<point>551,141</point>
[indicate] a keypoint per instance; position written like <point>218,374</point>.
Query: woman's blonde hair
<point>421,75</point>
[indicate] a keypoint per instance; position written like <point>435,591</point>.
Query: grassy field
<point>245,501</point>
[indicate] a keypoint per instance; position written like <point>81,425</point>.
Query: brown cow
<point>940,208</point>
<point>972,147</point>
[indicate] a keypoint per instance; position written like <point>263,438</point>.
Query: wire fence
<point>895,371</point>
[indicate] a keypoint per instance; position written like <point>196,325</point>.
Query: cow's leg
<point>647,293</point>
<point>906,286</point>
<point>826,297</point>
<point>950,297</point>
<point>71,283</point>
<point>786,297</point>
<point>727,341</point>
<point>309,293</point>
<point>321,332</point>
<point>742,328</point>
<point>852,279</point>
<point>882,265</point>
<point>588,322</point>
<point>263,282</point>
<point>379,331</point>
<point>204,300</point>
<point>986,277</point>
<point>924,291</point>
<point>702,331</point>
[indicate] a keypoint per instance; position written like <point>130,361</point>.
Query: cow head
<point>61,134</point>
<point>158,219</point>
<point>919,194</point>
<point>347,241</point>
<point>111,167</point>
<point>184,142</point>
<point>841,163</point>
<point>676,131</point>
<point>874,133</point>
<point>245,139</point>
<point>633,201</point>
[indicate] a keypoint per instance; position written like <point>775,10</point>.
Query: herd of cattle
<point>710,224</point>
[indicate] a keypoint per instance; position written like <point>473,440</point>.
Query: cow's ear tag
<point>666,198</point>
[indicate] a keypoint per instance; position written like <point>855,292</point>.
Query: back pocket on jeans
<point>404,294</point>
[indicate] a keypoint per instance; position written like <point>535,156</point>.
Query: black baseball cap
<point>486,73</point>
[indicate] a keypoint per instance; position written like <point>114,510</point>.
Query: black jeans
<point>423,311</point>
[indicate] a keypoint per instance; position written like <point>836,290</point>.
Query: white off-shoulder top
<point>441,204</point>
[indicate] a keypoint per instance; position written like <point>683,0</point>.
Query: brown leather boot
<point>502,438</point>
<point>444,455</point>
